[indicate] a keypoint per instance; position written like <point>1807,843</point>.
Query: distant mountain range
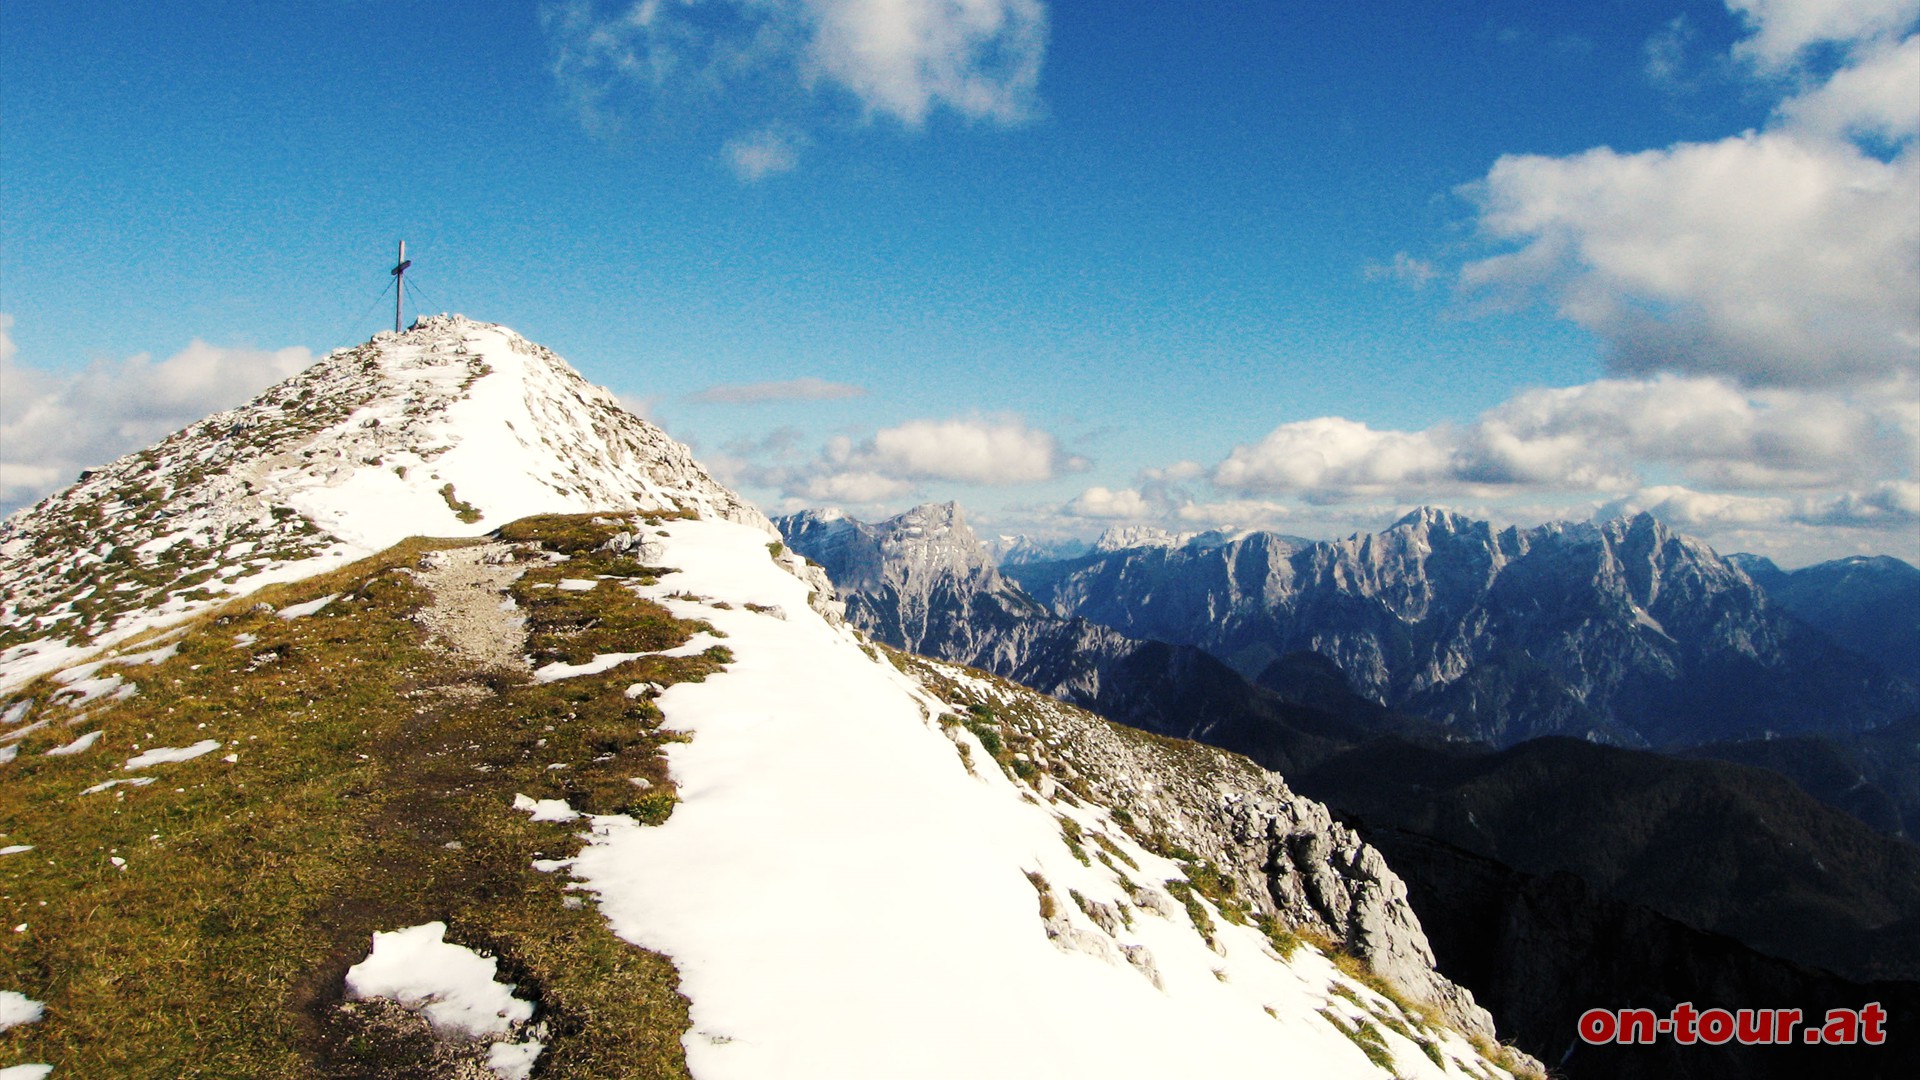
<point>1870,604</point>
<point>1622,632</point>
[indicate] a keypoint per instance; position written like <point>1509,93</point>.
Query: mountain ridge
<point>408,433</point>
<point>633,756</point>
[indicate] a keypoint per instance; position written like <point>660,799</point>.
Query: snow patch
<point>84,742</point>
<point>557,670</point>
<point>163,755</point>
<point>546,809</point>
<point>311,607</point>
<point>136,781</point>
<point>453,987</point>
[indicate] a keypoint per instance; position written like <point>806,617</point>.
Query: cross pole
<point>399,284</point>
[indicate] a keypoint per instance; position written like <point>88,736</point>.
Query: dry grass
<point>372,791</point>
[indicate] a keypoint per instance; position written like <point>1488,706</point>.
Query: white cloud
<point>1001,450</point>
<point>900,59</point>
<point>897,462</point>
<point>1604,436</point>
<point>1701,511</point>
<point>1878,96</point>
<point>1788,256</point>
<point>1333,457</point>
<point>1786,29</point>
<point>1417,273</point>
<point>1894,504</point>
<point>855,488</point>
<point>806,389</point>
<point>762,154</point>
<point>1235,513</point>
<point>54,424</point>
<point>1102,503</point>
<point>1768,257</point>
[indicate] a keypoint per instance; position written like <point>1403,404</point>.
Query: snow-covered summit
<point>1125,537</point>
<point>453,427</point>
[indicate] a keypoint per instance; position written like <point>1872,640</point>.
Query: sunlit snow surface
<point>844,899</point>
<point>453,986</point>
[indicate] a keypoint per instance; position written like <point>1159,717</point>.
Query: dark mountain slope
<point>1539,949</point>
<point>1870,604</point>
<point>1874,776</point>
<point>1721,847</point>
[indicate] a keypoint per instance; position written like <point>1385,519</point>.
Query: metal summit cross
<point>399,284</point>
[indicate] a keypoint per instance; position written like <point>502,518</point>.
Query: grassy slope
<point>372,791</point>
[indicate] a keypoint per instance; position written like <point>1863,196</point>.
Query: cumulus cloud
<point>54,424</point>
<point>1874,97</point>
<point>998,450</point>
<point>898,59</point>
<point>1336,458</point>
<point>1788,256</point>
<point>897,462</point>
<point>1785,29</point>
<point>807,389</point>
<point>901,58</point>
<point>1767,257</point>
<point>1102,503</point>
<point>1603,436</point>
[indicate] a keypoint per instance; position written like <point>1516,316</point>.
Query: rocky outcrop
<point>1286,855</point>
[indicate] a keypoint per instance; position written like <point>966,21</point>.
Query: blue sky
<point>1298,266</point>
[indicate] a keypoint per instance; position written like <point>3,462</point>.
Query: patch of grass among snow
<point>372,789</point>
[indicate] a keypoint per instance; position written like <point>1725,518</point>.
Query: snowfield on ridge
<point>847,894</point>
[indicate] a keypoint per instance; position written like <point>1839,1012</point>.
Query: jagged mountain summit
<point>1622,631</point>
<point>608,790</point>
<point>451,428</point>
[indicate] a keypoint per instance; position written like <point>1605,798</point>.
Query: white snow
<point>26,1072</point>
<point>84,742</point>
<point>514,1061</point>
<point>311,607</point>
<point>574,584</point>
<point>15,849</point>
<point>843,898</point>
<point>453,986</point>
<point>137,781</point>
<point>546,809</point>
<point>557,670</point>
<point>162,755</point>
<point>9,752</point>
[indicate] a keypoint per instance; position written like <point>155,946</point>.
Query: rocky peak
<point>1126,537</point>
<point>452,427</point>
